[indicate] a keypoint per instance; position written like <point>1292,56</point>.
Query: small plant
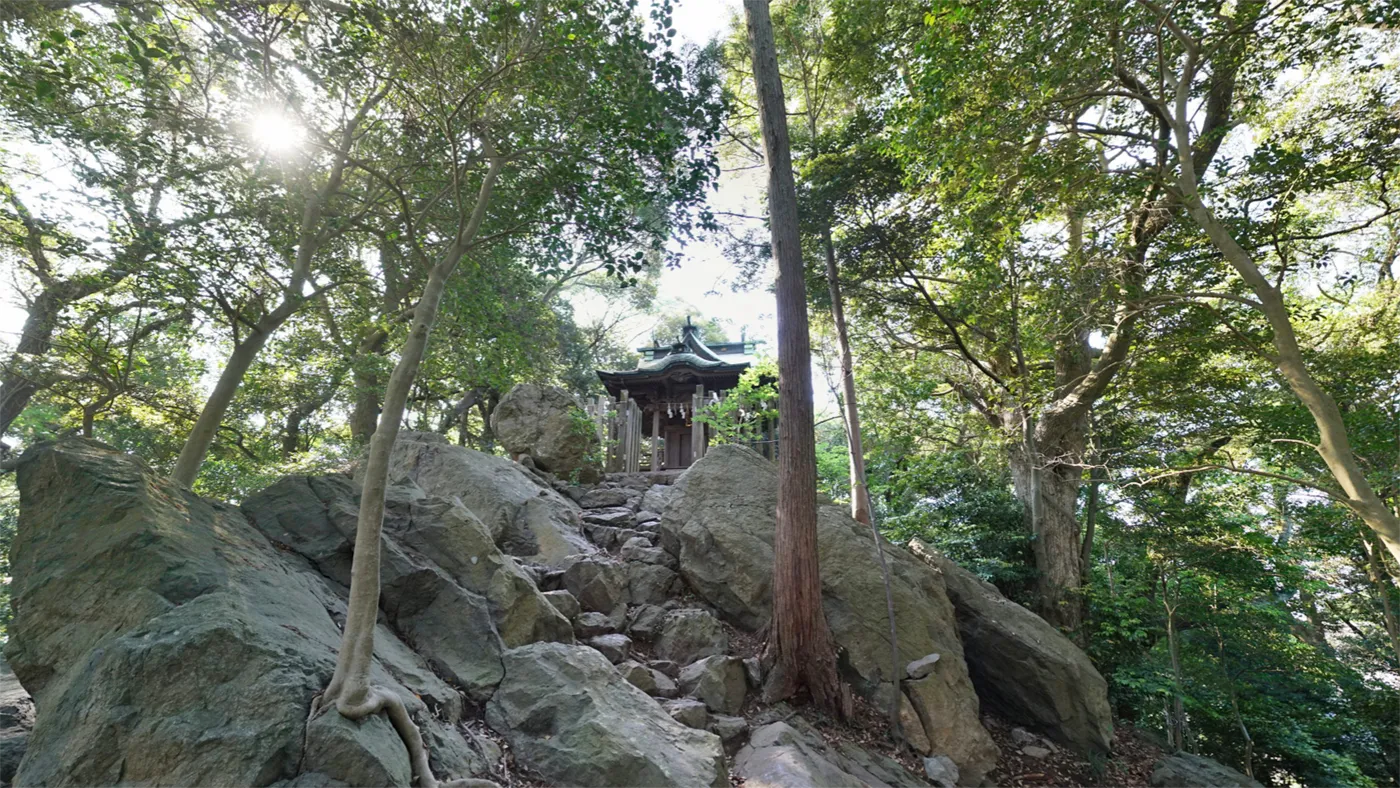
<point>755,399</point>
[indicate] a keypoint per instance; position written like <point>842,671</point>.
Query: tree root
<point>375,700</point>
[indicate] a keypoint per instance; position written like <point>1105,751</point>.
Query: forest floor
<point>1130,766</point>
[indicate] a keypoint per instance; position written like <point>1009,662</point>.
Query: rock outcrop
<point>791,754</point>
<point>524,515</point>
<point>547,424</point>
<point>173,640</point>
<point>166,640</point>
<point>719,523</point>
<point>16,720</point>
<point>1022,666</point>
<point>461,607</point>
<point>573,717</point>
<point>1184,770</point>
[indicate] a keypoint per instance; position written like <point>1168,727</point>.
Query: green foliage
<point>736,417</point>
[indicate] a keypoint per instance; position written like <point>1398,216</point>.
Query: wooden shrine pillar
<point>697,427</point>
<point>655,436</point>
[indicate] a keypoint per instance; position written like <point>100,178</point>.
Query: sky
<point>702,283</point>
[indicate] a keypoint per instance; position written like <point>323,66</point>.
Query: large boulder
<point>719,523</point>
<point>1184,770</point>
<point>568,714</point>
<point>546,423</point>
<point>165,640</point>
<point>16,720</point>
<point>1022,666</point>
<point>526,517</point>
<point>460,608</point>
<point>792,754</point>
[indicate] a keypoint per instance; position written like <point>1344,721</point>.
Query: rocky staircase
<point>627,601</point>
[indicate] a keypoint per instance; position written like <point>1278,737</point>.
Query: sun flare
<point>276,131</point>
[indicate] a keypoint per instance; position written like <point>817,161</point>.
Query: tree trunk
<point>349,688</point>
<point>17,386</point>
<point>799,642</point>
<point>364,415</point>
<point>1091,515</point>
<point>1383,590</point>
<point>1178,707</point>
<point>860,493</point>
<point>207,426</point>
<point>1333,444</point>
<point>1050,493</point>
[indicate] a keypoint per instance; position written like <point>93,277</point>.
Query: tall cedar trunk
<point>1333,444</point>
<point>799,644</point>
<point>860,493</point>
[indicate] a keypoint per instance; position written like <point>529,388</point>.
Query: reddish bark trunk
<point>799,642</point>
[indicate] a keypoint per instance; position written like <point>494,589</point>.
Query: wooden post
<point>697,427</point>
<point>620,423</point>
<point>656,436</point>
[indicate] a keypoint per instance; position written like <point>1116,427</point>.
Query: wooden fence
<point>619,426</point>
<point>620,430</point>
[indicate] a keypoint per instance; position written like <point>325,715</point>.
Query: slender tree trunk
<point>1383,590</point>
<point>1091,515</point>
<point>349,688</point>
<point>487,442</point>
<point>309,239</point>
<point>1333,444</point>
<point>860,493</point>
<point>1178,714</point>
<point>799,642</point>
<point>202,436</point>
<point>364,414</point>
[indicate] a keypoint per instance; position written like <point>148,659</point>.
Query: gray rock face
<point>639,549</point>
<point>599,584</point>
<point>941,771</point>
<point>609,498</point>
<point>1184,770</point>
<point>644,622</point>
<point>564,602</point>
<point>921,667</point>
<point>547,424</point>
<point>718,682</point>
<point>16,720</point>
<point>592,624</point>
<point>615,647</point>
<point>688,712</point>
<point>446,585</point>
<point>572,717</point>
<point>792,755</point>
<point>532,520</point>
<point>194,665</point>
<point>719,522</point>
<point>1022,666</point>
<point>689,634</point>
<point>655,498</point>
<point>649,584</point>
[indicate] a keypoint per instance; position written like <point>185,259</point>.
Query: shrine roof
<point>689,351</point>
